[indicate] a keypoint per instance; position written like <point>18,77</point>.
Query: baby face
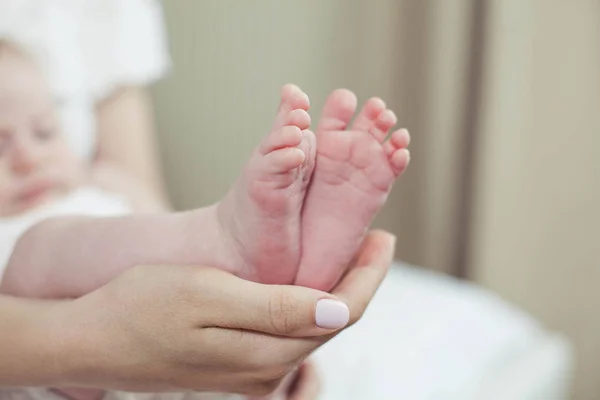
<point>36,163</point>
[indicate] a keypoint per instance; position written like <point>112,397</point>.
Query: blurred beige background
<point>502,98</point>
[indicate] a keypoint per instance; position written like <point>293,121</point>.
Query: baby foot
<point>260,216</point>
<point>354,172</point>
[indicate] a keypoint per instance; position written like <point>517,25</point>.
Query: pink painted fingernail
<point>331,314</point>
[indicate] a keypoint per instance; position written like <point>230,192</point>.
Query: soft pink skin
<point>261,215</point>
<point>354,172</point>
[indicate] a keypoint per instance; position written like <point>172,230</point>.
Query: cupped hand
<point>157,328</point>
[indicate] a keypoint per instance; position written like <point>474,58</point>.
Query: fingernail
<point>331,314</point>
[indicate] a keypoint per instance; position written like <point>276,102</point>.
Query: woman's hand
<point>195,328</point>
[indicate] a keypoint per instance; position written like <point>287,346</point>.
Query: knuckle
<point>284,312</point>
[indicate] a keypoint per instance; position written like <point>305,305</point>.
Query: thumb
<point>280,310</point>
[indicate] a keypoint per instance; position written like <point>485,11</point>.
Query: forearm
<point>29,347</point>
<point>71,256</point>
<point>127,139</point>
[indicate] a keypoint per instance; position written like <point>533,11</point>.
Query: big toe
<point>293,97</point>
<point>338,110</point>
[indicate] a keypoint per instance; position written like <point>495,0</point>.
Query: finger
<point>361,282</point>
<point>307,384</point>
<point>293,311</point>
<point>338,110</point>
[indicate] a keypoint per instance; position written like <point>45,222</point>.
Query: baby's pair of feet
<point>302,206</point>
<point>304,201</point>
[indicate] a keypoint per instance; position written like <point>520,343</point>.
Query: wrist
<point>33,346</point>
<point>74,335</point>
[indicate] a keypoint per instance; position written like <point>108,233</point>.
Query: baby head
<point>36,163</point>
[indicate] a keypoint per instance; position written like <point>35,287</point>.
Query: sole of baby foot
<point>354,173</point>
<point>260,218</point>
